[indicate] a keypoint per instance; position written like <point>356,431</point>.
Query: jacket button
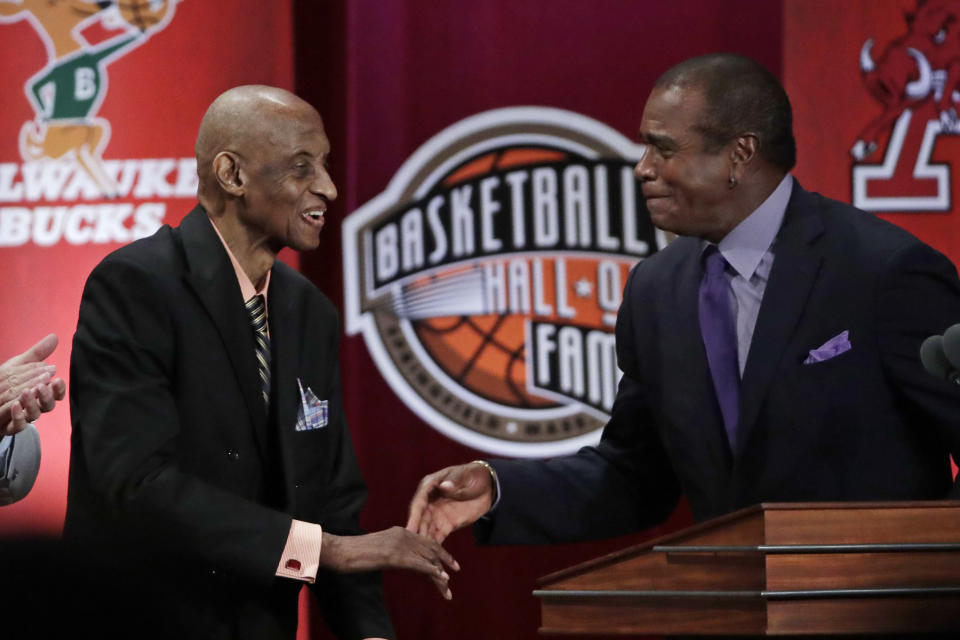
<point>232,454</point>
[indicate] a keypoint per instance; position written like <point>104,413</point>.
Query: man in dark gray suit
<point>770,353</point>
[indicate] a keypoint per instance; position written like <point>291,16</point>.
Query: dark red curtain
<point>389,74</point>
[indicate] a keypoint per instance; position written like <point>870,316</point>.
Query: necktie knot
<point>257,311</point>
<point>713,261</point>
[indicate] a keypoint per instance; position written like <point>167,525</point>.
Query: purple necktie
<point>720,339</point>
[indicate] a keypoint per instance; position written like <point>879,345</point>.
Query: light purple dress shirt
<point>748,249</point>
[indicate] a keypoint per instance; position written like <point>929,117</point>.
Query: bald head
<point>262,162</point>
<point>242,121</point>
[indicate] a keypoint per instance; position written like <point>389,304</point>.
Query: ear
<point>744,150</point>
<point>746,146</point>
<point>226,169</point>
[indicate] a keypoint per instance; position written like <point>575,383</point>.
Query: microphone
<point>934,357</point>
<point>19,464</point>
<point>951,345</point>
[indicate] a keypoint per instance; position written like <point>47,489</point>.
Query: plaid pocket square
<point>833,347</point>
<point>312,413</point>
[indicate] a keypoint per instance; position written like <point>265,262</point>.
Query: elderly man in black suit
<point>770,353</point>
<point>209,441</point>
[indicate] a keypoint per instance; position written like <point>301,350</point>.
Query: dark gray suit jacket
<point>869,424</point>
<point>174,456</point>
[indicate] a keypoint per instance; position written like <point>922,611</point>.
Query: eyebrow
<point>659,141</point>
<point>310,154</point>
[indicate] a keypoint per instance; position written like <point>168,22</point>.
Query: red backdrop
<point>387,75</point>
<point>822,74</point>
<point>152,98</point>
<point>390,74</point>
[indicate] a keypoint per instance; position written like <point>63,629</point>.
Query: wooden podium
<point>774,569</point>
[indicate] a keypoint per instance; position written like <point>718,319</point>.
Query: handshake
<point>444,502</point>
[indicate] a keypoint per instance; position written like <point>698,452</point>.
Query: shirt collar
<point>246,285</point>
<point>746,244</point>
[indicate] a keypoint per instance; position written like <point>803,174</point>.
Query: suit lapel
<point>285,343</point>
<point>212,278</point>
<point>797,260</point>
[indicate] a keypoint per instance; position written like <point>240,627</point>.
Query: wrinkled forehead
<point>672,110</point>
<point>287,130</point>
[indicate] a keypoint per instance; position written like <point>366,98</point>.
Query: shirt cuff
<point>301,556</point>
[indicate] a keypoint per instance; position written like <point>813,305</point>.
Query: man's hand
<point>27,387</point>
<point>393,548</point>
<point>450,499</point>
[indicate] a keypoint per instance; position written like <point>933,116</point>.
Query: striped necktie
<point>257,311</point>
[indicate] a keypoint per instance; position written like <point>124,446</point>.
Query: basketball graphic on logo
<point>482,353</point>
<point>143,14</point>
<point>487,278</point>
<point>485,353</point>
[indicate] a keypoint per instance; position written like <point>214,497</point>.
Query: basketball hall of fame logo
<point>486,278</point>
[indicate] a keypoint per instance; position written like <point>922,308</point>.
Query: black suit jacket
<point>869,424</point>
<point>174,456</point>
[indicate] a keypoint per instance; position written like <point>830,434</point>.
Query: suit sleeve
<point>126,420</point>
<point>622,485</point>
<point>352,603</point>
<point>919,296</point>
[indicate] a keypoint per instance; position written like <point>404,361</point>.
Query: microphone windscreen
<point>23,458</point>
<point>951,346</point>
<point>933,358</point>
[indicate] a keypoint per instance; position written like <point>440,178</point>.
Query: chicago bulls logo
<point>487,277</point>
<point>916,80</point>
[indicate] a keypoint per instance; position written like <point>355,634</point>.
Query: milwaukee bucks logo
<point>68,91</point>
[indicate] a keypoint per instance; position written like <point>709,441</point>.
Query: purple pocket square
<point>833,347</point>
